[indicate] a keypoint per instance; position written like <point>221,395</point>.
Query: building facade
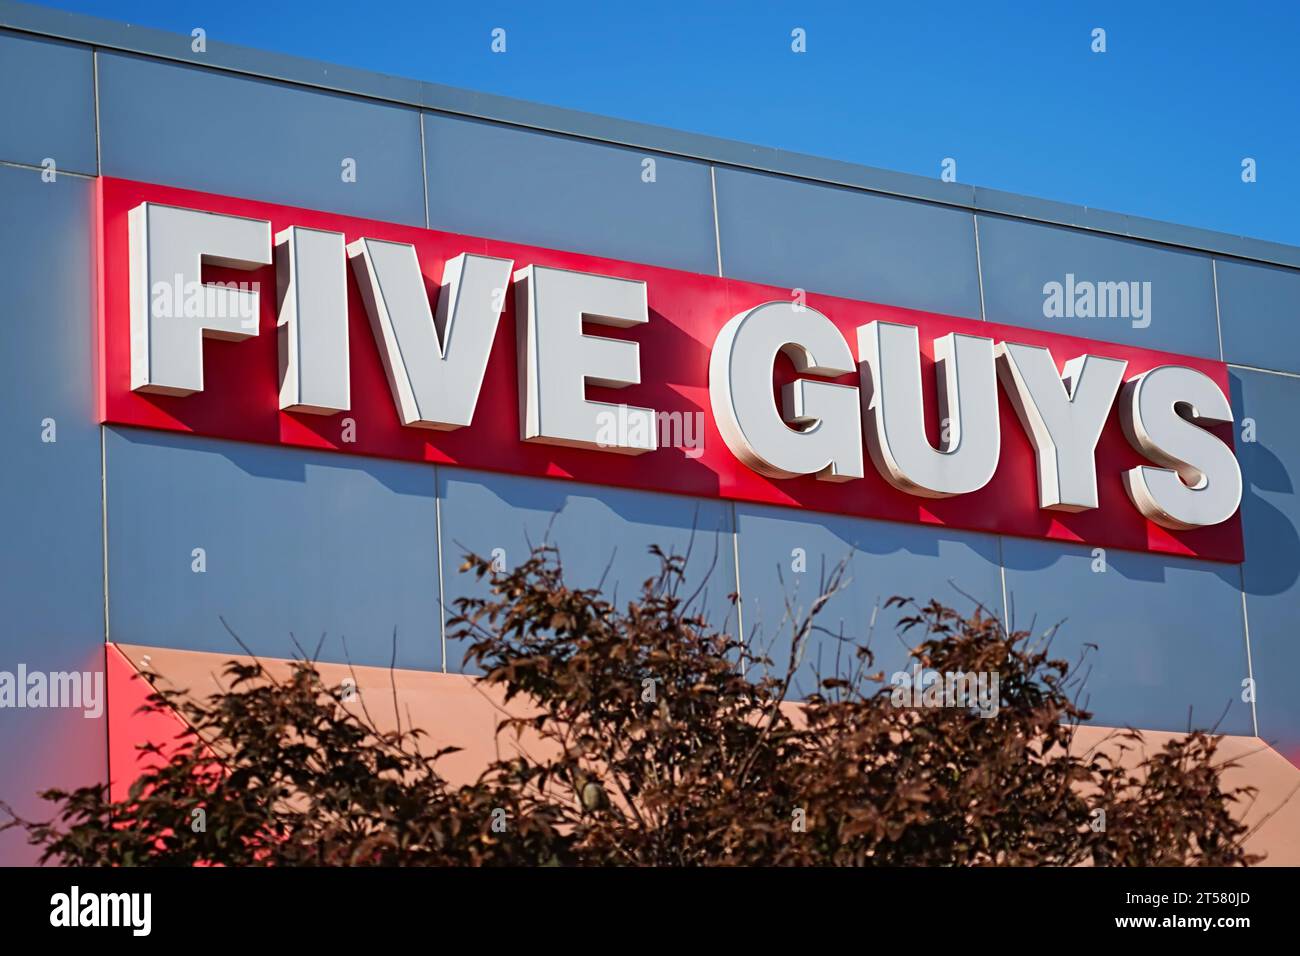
<point>146,529</point>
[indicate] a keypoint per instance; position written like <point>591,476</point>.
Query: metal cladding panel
<point>51,548</point>
<point>1259,311</point>
<point>1170,644</point>
<point>1142,294</point>
<point>603,538</point>
<point>786,559</point>
<point>288,144</point>
<point>290,550</point>
<point>486,179</point>
<point>1270,510</point>
<point>47,104</point>
<point>848,243</point>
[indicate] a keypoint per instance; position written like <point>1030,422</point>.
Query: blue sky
<point>1156,126</point>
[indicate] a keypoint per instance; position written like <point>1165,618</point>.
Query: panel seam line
<point>717,231</point>
<point>442,606</point>
<point>1250,663</point>
<point>1218,316</point>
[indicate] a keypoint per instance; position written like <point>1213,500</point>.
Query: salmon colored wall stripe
<point>458,710</point>
<point>128,727</point>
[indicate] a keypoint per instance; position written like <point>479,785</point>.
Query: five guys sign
<point>257,322</point>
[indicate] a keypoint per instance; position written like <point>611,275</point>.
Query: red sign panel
<point>240,395</point>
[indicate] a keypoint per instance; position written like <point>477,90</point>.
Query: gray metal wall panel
<point>886,559</point>
<point>490,180</point>
<point>1169,631</point>
<point>200,129</point>
<point>601,533</point>
<point>1017,259</point>
<point>1259,309</point>
<point>295,542</point>
<point>51,550</point>
<point>848,243</point>
<point>47,103</point>
<point>1271,514</point>
<point>49,748</point>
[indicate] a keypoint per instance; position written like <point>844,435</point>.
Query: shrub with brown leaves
<point>665,742</point>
